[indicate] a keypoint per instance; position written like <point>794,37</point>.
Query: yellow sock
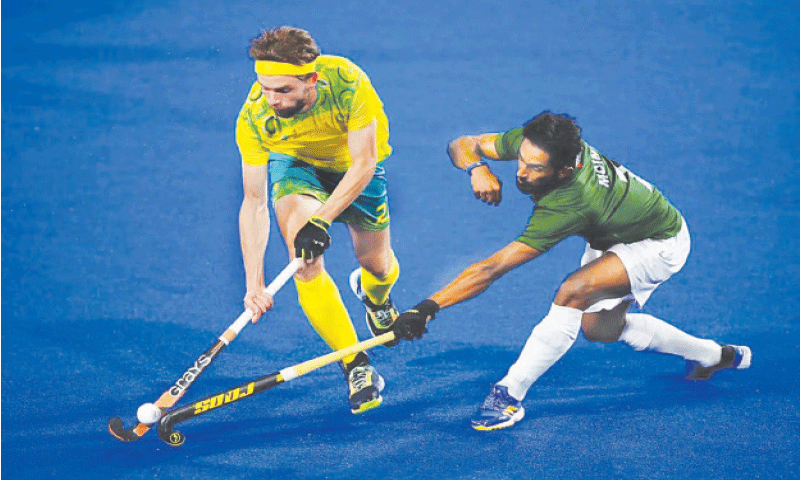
<point>377,289</point>
<point>322,304</point>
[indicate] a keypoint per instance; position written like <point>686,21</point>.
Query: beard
<point>539,188</point>
<point>290,112</point>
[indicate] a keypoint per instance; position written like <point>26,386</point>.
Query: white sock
<point>548,342</point>
<point>646,332</point>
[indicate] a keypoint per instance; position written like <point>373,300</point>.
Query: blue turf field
<point>121,264</point>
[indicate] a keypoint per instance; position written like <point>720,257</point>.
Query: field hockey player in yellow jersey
<point>314,129</point>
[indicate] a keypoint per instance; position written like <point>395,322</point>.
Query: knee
<point>594,334</point>
<point>380,266</point>
<point>589,331</point>
<point>310,270</point>
<point>574,293</point>
<point>604,326</point>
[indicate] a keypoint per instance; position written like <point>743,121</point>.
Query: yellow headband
<point>266,67</point>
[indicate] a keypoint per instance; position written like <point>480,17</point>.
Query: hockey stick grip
<point>284,276</point>
<point>271,289</point>
<point>175,438</point>
<point>171,396</point>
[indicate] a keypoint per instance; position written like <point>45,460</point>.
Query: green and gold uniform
<point>603,202</point>
<point>346,101</point>
<point>308,153</point>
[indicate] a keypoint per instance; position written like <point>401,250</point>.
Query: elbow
<point>463,150</point>
<point>364,163</point>
<point>451,147</point>
<point>254,202</point>
<point>456,145</point>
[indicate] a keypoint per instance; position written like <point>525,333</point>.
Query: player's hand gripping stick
<point>176,439</point>
<point>413,323</point>
<point>176,391</point>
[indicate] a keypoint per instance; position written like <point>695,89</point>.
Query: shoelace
<point>359,377</point>
<point>381,314</point>
<point>495,401</point>
<point>384,315</point>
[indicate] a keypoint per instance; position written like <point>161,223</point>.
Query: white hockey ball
<point>148,413</point>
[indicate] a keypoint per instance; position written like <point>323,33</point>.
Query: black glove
<point>312,239</point>
<point>413,323</point>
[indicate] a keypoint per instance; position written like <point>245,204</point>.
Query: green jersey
<point>603,202</point>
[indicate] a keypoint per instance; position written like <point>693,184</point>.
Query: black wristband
<point>427,307</point>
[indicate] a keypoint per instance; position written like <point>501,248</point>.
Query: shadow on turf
<point>441,404</point>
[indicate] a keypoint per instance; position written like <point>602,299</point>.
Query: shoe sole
<point>380,385</point>
<point>509,423</point>
<point>367,405</point>
<point>353,280</point>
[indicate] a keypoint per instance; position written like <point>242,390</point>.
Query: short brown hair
<point>284,44</point>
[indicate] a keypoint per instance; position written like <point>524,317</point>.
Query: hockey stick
<point>176,439</point>
<point>176,391</point>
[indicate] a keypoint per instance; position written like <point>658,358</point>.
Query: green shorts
<point>288,175</point>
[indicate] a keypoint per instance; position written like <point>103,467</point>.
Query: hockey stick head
<point>171,437</point>
<point>124,434</point>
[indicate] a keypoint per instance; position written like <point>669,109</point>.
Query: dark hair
<point>556,134</point>
<point>284,44</point>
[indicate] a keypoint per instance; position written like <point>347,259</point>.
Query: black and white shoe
<point>365,384</point>
<point>380,318</point>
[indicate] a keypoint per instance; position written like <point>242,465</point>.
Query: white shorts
<point>649,264</point>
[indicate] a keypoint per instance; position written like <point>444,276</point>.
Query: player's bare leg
<point>373,250</point>
<point>605,325</point>
<point>600,279</point>
<point>292,212</point>
<point>604,278</point>
<point>322,303</point>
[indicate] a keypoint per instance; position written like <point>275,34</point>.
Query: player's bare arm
<point>470,283</point>
<point>467,153</point>
<point>478,277</point>
<point>362,144</point>
<point>254,233</point>
<point>313,237</point>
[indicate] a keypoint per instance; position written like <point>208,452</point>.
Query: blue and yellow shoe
<point>733,357</point>
<point>365,385</point>
<point>499,410</point>
<point>380,318</point>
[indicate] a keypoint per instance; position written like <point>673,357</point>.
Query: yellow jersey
<point>346,101</point>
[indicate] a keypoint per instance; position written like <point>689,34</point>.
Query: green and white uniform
<point>603,203</point>
<point>614,210</point>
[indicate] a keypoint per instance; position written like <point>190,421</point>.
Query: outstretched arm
<point>467,153</point>
<point>470,283</point>
<point>477,278</point>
